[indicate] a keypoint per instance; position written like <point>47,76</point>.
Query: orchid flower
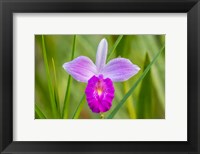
<point>100,76</point>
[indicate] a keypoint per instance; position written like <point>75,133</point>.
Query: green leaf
<point>56,88</point>
<point>130,105</point>
<point>51,92</point>
<point>42,93</point>
<point>79,108</point>
<point>67,95</point>
<point>116,109</point>
<point>39,112</point>
<point>147,107</point>
<point>125,46</point>
<point>144,104</point>
<point>114,47</point>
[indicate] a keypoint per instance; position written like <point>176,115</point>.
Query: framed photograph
<point>99,76</point>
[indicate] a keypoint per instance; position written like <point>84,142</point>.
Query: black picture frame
<point>8,7</point>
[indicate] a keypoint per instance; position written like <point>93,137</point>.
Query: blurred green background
<point>146,102</point>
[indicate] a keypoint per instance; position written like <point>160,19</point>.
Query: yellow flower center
<point>99,87</point>
<point>99,91</point>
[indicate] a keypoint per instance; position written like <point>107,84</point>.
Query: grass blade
<point>79,108</point>
<point>39,112</point>
<point>130,105</point>
<point>56,87</point>
<point>65,112</point>
<point>144,104</point>
<point>147,106</point>
<point>114,47</point>
<point>116,109</point>
<point>51,92</point>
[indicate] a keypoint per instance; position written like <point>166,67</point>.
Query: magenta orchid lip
<point>99,94</point>
<point>100,76</point>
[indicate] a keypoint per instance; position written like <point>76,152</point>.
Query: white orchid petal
<point>101,54</point>
<point>120,69</point>
<point>81,68</point>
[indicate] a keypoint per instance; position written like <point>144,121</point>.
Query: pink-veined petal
<point>120,69</point>
<point>81,68</point>
<point>101,54</point>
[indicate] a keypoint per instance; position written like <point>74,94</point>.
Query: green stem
<point>67,95</point>
<point>116,109</point>
<point>101,116</point>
